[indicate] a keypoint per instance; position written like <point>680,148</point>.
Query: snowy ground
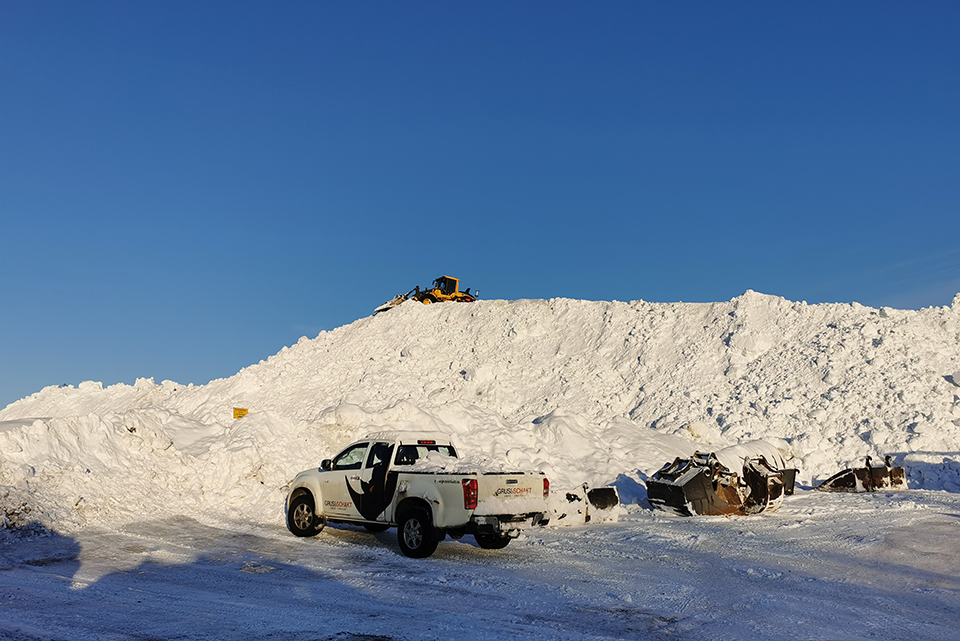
<point>147,511</point>
<point>826,566</point>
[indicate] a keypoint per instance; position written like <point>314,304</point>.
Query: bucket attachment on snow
<point>393,302</point>
<point>867,479</point>
<point>590,505</point>
<point>603,504</point>
<point>702,485</point>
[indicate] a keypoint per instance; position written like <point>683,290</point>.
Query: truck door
<point>338,483</point>
<point>376,488</point>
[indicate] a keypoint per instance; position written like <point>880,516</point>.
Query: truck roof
<point>408,437</point>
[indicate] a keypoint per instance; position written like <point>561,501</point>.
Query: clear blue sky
<point>186,187</point>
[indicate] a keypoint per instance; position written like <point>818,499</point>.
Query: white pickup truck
<point>414,480</point>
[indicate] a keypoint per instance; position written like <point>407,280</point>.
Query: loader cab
<point>447,286</point>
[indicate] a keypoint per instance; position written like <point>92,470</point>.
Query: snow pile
<point>595,392</point>
<point>471,464</point>
<point>734,456</point>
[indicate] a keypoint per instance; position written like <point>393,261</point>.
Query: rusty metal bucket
<point>702,485</point>
<point>867,479</point>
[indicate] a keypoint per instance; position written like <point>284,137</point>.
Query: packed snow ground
<point>156,489</point>
<point>822,567</point>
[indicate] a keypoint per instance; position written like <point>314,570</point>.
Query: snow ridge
<point>595,392</point>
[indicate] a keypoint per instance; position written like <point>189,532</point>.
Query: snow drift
<point>595,392</point>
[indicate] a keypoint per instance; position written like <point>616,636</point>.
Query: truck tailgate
<point>502,493</point>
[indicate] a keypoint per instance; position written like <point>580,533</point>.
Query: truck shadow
<point>387,540</point>
<point>231,587</point>
<point>34,546</point>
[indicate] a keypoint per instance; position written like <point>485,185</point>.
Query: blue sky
<point>187,187</point>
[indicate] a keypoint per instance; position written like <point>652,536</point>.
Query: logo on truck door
<point>375,495</point>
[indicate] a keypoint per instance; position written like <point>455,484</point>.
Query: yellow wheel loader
<point>445,288</point>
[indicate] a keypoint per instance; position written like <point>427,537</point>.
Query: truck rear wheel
<point>415,534</point>
<point>491,541</point>
<point>301,519</point>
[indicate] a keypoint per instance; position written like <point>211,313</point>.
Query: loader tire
<point>428,299</point>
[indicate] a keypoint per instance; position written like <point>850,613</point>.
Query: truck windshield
<point>350,458</point>
<point>408,454</point>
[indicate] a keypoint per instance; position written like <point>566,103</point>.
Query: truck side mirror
<point>326,464</point>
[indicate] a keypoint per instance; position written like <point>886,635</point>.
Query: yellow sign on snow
<point>239,412</point>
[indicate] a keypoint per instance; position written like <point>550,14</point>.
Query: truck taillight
<point>469,494</point>
<point>546,488</point>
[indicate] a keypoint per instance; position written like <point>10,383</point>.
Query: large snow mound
<point>595,392</point>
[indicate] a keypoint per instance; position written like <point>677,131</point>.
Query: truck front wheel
<point>415,534</point>
<point>301,519</point>
<point>491,541</point>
